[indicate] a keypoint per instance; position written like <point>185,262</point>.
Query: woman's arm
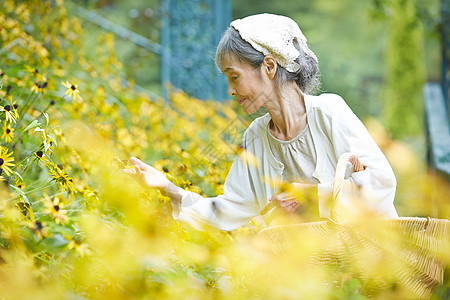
<point>348,134</point>
<point>235,208</point>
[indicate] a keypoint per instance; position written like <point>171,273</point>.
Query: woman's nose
<point>231,90</point>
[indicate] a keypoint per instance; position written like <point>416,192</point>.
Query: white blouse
<point>334,129</point>
<point>298,156</point>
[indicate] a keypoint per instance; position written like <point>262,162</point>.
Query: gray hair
<point>307,78</point>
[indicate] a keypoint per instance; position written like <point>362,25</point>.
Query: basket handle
<point>338,181</point>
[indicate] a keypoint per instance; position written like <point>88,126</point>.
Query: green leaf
<point>33,124</point>
<point>46,118</point>
<point>54,244</point>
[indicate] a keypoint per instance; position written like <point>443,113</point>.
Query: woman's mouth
<point>240,100</point>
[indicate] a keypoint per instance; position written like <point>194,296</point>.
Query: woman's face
<point>251,87</point>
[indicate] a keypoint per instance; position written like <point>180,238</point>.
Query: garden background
<point>77,101</point>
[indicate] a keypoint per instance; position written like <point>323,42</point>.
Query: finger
<point>129,171</point>
<point>138,170</point>
<point>135,161</point>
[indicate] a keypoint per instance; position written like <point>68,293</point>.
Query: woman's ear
<point>270,66</point>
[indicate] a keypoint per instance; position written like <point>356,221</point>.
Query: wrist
<point>164,188</point>
<point>172,191</point>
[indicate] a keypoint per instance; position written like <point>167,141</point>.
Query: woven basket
<point>414,250</point>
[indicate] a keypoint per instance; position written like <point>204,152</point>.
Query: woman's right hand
<point>147,175</point>
<point>288,203</point>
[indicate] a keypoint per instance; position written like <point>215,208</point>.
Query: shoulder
<point>326,104</point>
<point>257,125</point>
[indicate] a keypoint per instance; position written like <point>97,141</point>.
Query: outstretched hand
<point>147,175</point>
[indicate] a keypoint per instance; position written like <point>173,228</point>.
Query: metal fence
<point>190,31</point>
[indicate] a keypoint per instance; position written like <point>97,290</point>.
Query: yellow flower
<point>10,113</point>
<point>23,207</point>
<point>14,108</point>
<point>39,154</point>
<point>39,87</point>
<point>61,177</point>
<point>55,209</point>
<point>80,248</point>
<point>31,70</point>
<point>38,228</point>
<point>8,133</point>
<point>19,184</point>
<point>48,145</point>
<point>72,90</point>
<point>5,160</point>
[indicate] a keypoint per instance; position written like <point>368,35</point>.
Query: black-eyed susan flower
<point>19,184</point>
<point>55,209</point>
<point>14,108</point>
<point>23,207</point>
<point>61,177</point>
<point>6,160</point>
<point>39,229</point>
<point>8,133</point>
<point>39,87</point>
<point>32,70</point>
<point>72,90</point>
<point>80,248</point>
<point>48,145</point>
<point>10,113</point>
<point>39,154</point>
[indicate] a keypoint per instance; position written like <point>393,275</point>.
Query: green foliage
<point>73,226</point>
<point>405,75</point>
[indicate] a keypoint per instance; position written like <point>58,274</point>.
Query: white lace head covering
<point>274,35</point>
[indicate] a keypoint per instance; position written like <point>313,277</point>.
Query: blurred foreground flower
<point>80,248</point>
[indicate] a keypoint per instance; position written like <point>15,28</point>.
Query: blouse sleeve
<point>348,134</point>
<point>229,211</point>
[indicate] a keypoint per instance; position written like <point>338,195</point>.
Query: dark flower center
<point>38,225</point>
<point>36,71</point>
<point>56,207</point>
<point>73,88</point>
<point>52,102</point>
<point>8,108</point>
<point>39,153</point>
<point>44,85</point>
<point>165,170</point>
<point>16,106</point>
<point>1,161</point>
<point>8,130</point>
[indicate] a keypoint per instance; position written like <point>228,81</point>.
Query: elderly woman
<point>268,64</point>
